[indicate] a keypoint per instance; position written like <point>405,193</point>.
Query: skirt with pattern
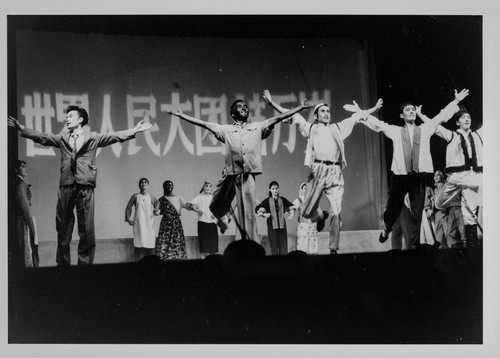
<point>170,244</point>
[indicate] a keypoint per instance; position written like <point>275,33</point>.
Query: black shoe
<point>333,252</point>
<point>321,223</point>
<point>436,244</point>
<point>383,238</point>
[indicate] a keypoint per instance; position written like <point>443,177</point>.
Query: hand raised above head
<point>352,107</point>
<point>306,104</point>
<point>379,104</point>
<point>459,96</point>
<point>418,110</point>
<point>267,95</point>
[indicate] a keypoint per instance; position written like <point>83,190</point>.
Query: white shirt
<point>393,132</point>
<point>454,154</point>
<point>79,139</point>
<point>202,202</point>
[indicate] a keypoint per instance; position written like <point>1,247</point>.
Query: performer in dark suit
<point>78,148</point>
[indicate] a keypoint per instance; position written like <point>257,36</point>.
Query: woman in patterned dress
<point>171,244</point>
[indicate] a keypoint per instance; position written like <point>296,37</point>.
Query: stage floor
<point>122,250</point>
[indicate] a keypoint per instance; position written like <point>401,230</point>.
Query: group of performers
<point>325,156</point>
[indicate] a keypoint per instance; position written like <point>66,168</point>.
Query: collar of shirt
<point>22,178</point>
<point>240,124</point>
<point>466,134</point>
<point>77,131</point>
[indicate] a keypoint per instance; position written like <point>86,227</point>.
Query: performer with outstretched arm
<point>411,161</point>
<point>464,167</point>
<point>325,155</point>
<point>243,141</point>
<point>78,147</point>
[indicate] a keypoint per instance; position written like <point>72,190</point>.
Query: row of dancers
<point>170,242</point>
<point>325,156</point>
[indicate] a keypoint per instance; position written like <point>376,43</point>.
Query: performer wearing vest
<point>273,208</point>
<point>411,161</point>
<point>464,167</point>
<point>325,155</point>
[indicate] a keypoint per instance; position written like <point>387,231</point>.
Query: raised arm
<point>267,96</point>
<point>192,120</point>
<point>46,139</point>
<point>420,115</point>
<point>276,119</point>
<point>447,112</point>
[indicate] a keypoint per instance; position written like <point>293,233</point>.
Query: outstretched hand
<point>352,107</point>
<point>379,104</point>
<point>267,96</point>
<point>459,96</point>
<point>141,126</point>
<point>12,122</point>
<point>306,104</point>
<point>178,113</point>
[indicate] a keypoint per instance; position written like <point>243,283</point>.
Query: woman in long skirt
<point>273,208</point>
<point>140,214</point>
<point>171,244</point>
<point>207,223</point>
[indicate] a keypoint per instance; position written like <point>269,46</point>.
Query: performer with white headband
<point>325,155</point>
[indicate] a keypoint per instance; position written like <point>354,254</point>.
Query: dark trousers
<point>414,185</point>
<point>404,227</point>
<point>278,241</point>
<point>81,197</point>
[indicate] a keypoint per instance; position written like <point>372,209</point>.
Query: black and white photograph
<point>295,181</point>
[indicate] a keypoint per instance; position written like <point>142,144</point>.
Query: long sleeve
<point>106,139</point>
<point>47,139</point>
<point>286,203</point>
<point>264,204</point>
<point>444,133</point>
<point>346,126</point>
<point>303,126</point>
<point>24,205</point>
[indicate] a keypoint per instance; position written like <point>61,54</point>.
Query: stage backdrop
<point>122,79</point>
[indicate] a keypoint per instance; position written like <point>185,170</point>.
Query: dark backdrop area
<point>397,297</point>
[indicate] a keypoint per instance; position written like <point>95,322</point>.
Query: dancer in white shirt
<point>325,155</point>
<point>464,167</point>
<point>411,161</point>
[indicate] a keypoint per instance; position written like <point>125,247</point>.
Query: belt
<point>326,162</point>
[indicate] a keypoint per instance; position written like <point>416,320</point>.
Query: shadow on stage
<point>244,297</point>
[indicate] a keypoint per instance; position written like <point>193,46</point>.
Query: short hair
<point>233,106</point>
<point>165,185</point>
<point>146,179</point>
<point>406,104</point>
<point>81,113</point>
<point>461,111</point>
<point>18,165</point>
